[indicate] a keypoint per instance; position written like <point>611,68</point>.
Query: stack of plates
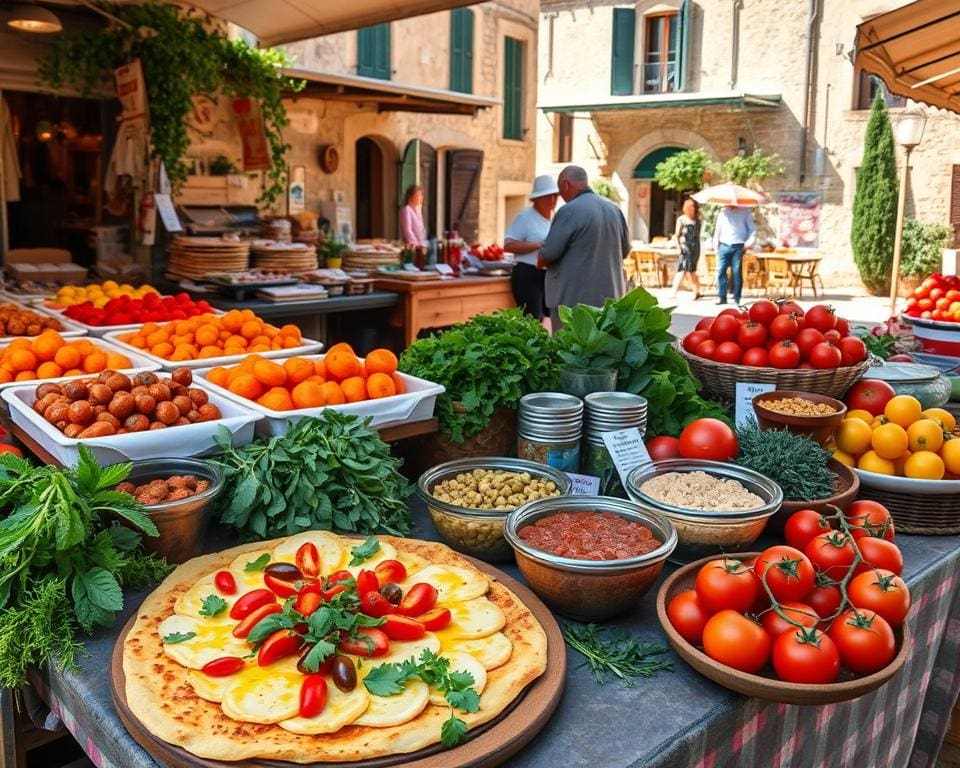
<point>611,412</point>
<point>194,257</point>
<point>283,257</point>
<point>550,417</point>
<point>370,261</point>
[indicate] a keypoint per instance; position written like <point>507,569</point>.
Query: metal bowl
<point>589,590</point>
<point>703,532</point>
<point>478,532</point>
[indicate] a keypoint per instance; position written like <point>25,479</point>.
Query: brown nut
<point>73,430</point>
<point>80,412</point>
<point>119,382</point>
<point>76,390</point>
<point>177,390</point>
<point>208,412</point>
<point>46,401</point>
<point>121,405</point>
<point>182,376</point>
<point>198,396</point>
<point>184,404</point>
<point>97,429</point>
<point>47,389</point>
<point>136,423</point>
<point>167,413</point>
<point>56,413</point>
<point>100,394</point>
<point>181,421</point>
<point>159,392</point>
<point>109,418</point>
<point>126,487</point>
<point>139,389</point>
<point>104,375</point>
<point>145,404</point>
<point>193,416</point>
<point>157,425</point>
<point>145,379</point>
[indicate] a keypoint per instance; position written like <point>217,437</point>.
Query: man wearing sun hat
<point>523,238</point>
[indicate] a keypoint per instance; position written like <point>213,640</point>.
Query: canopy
<point>915,50</point>
<point>729,193</point>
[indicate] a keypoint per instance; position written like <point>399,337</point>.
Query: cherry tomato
<point>420,598</point>
<point>724,328</point>
<point>390,572</point>
<point>852,351</point>
<point>663,447</point>
<point>751,335</point>
<point>865,641</point>
<point>403,628</point>
<point>883,592</point>
<point>735,640</point>
<point>728,352</point>
<point>803,526</point>
<point>308,559</point>
<point>313,695</point>
<point>737,314</point>
<point>253,618</point>
<point>308,601</point>
<point>806,656</point>
<point>279,645</point>
<point>367,581</point>
<point>821,317</point>
<point>784,327</point>
<point>785,354</point>
<point>879,553</point>
<point>756,357</point>
<point>706,349</point>
<point>436,619</point>
<point>224,666</point>
<point>843,327</point>
<point>7,448</point>
<point>337,576</point>
<point>825,598</point>
<point>787,572</point>
<point>774,625</point>
<point>791,308</point>
<point>225,583</point>
<point>831,553</point>
<point>869,518</point>
<point>692,340</point>
<point>708,439</point>
<point>250,602</point>
<point>279,587</point>
<point>705,324</point>
<point>806,340</point>
<point>869,395</point>
<point>726,584</point>
<point>825,355</point>
<point>376,605</point>
<point>763,312</point>
<point>688,616</point>
<point>373,642</point>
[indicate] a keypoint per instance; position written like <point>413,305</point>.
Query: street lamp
<point>908,132</point>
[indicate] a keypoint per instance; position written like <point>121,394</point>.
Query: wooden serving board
<point>487,746</point>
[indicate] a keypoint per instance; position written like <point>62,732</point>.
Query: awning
<point>389,96</point>
<point>285,21</point>
<point>915,50</point>
<point>662,100</point>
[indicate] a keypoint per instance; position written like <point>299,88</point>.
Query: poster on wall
<point>799,219</point>
<point>297,194</point>
<point>256,153</point>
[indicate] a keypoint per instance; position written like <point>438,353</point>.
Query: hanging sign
<point>256,152</point>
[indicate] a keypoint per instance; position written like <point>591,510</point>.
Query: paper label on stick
<point>584,485</point>
<point>744,400</point>
<point>627,451</point>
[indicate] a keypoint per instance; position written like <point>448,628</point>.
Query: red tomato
<point>282,643</point>
<point>726,583</point>
<point>728,352</point>
<point>843,326</point>
<point>804,526</point>
<point>420,598</point>
<point>706,349</point>
<point>865,641</point>
<point>663,447</point>
<point>724,328</point>
<point>7,448</point>
<point>786,354</point>
<point>250,602</point>
<point>309,599</point>
<point>735,640</point>
<point>825,599</point>
<point>806,340</point>
<point>787,572</point>
<point>367,581</point>
<point>225,583</point>
<point>774,625</point>
<point>751,335</point>
<point>791,308</point>
<point>869,395</point>
<point>704,324</point>
<point>436,619</point>
<point>224,666</point>
<point>308,559</point>
<point>692,340</point>
<point>337,576</point>
<point>784,327</point>
<point>825,355</point>
<point>737,314</point>
<point>373,642</point>
<point>833,336</point>
<point>757,357</point>
<point>390,572</point>
<point>831,553</point>
<point>763,312</point>
<point>806,656</point>
<point>708,439</point>
<point>879,553</point>
<point>883,592</point>
<point>852,351</point>
<point>280,587</point>
<point>376,605</point>
<point>869,518</point>
<point>253,618</point>
<point>313,695</point>
<point>688,616</point>
<point>821,317</point>
<point>403,628</point>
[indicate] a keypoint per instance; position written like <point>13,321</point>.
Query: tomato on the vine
<point>831,553</point>
<point>734,640</point>
<point>879,553</point>
<point>688,616</point>
<point>787,572</point>
<point>865,641</point>
<point>869,518</point>
<point>775,625</point>
<point>708,439</point>
<point>806,656</point>
<point>825,598</point>
<point>803,526</point>
<point>726,583</point>
<point>883,592</point>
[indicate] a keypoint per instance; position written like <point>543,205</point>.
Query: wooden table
<point>799,267</point>
<point>439,303</point>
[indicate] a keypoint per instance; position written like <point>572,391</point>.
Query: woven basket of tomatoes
<point>815,621</point>
<point>778,344</point>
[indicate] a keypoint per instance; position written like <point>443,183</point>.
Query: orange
<point>49,370</point>
<point>298,369</point>
<point>308,394</point>
<point>889,441</point>
<point>73,372</point>
<point>316,379</point>
<point>261,339</point>
<point>236,341</point>
<point>943,417</point>
<point>158,337</point>
<point>398,382</point>
<point>290,330</point>
<point>21,344</point>
<point>22,360</point>
<point>164,349</point>
<point>116,361</point>
<point>380,361</point>
<point>232,321</point>
<point>137,340</point>
<point>289,342</point>
<point>332,393</point>
<point>218,376</point>
<point>342,346</point>
<point>380,385</point>
<point>67,357</point>
<point>924,465</point>
<point>872,462</point>
<point>260,348</point>
<point>950,453</point>
<point>903,410</point>
<point>925,435</point>
<point>354,389</point>
<point>270,373</point>
<point>207,334</point>
<point>95,362</point>
<point>26,376</point>
<point>250,329</point>
<point>147,328</point>
<point>276,399</point>
<point>320,368</point>
<point>246,385</point>
<point>209,351</point>
<point>5,375</point>
<point>342,364</point>
<point>45,346</point>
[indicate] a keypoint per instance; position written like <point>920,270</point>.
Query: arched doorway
<point>657,208</point>
<point>370,189</point>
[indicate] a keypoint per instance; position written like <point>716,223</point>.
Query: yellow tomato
<point>854,436</point>
<point>943,417</point>
<point>879,421</point>
<point>110,285</point>
<point>900,463</point>
<point>889,441</point>
<point>903,410</point>
<point>925,465</point>
<point>950,453</point>
<point>872,462</point>
<point>859,413</point>
<point>845,458</point>
<point>925,435</point>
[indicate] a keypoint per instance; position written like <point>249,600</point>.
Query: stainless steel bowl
<point>589,590</point>
<point>478,532</point>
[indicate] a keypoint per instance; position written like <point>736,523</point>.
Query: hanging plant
<point>183,55</point>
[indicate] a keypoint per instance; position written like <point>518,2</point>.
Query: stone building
<point>623,86</point>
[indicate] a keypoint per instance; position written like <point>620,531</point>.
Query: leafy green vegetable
<point>178,637</point>
<point>329,472</point>
<point>259,564</point>
<point>622,655</point>
<point>795,463</point>
<point>213,605</point>
<point>632,335</point>
<point>489,362</point>
<point>364,551</point>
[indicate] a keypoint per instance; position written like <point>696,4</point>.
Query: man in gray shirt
<point>585,247</point>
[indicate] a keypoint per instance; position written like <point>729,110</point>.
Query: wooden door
<point>463,192</point>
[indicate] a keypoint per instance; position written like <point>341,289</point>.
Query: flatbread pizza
<point>281,650</point>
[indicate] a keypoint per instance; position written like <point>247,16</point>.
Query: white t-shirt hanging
<point>528,226</point>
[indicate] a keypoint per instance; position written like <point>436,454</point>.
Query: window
<point>373,51</point>
<point>621,66</point>
<point>461,50</point>
<point>867,86</point>
<point>660,53</point>
<point>563,133</point>
<point>512,88</point>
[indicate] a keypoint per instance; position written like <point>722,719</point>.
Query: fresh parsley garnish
<point>213,605</point>
<point>622,655</point>
<point>364,551</point>
<point>259,564</point>
<point>452,731</point>
<point>178,637</point>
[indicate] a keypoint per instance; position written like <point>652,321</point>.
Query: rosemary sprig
<point>619,654</point>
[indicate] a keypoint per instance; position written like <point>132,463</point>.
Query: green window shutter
<point>683,64</point>
<point>373,51</point>
<point>512,88</point>
<point>461,50</point>
<point>621,66</point>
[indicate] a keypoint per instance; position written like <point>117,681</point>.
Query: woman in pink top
<point>412,230</point>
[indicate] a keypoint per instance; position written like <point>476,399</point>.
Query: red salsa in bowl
<point>589,535</point>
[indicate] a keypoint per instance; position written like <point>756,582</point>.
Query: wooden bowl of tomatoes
<point>745,637</point>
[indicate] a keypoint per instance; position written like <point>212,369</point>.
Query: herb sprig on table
<point>795,463</point>
<point>614,651</point>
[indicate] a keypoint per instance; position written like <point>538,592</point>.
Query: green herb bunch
<point>487,363</point>
<point>614,651</point>
<point>328,472</point>
<point>63,559</point>
<point>632,335</point>
<point>795,463</point>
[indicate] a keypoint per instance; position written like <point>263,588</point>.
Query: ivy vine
<point>182,54</point>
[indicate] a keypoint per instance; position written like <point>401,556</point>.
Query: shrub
<point>923,244</point>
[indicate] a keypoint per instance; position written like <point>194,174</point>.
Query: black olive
<point>303,657</point>
<point>343,672</point>
<point>392,592</point>
<point>284,571</point>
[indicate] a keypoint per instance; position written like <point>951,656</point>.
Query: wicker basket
<point>498,438</point>
<point>719,380</point>
<point>935,513</point>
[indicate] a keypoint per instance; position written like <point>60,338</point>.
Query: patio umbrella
<point>729,193</point>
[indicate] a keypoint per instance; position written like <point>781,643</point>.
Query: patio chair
<point>648,264</point>
<point>779,277</point>
<point>808,272</point>
<point>754,273</point>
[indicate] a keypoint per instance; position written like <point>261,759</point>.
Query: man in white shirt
<point>523,238</point>
<point>732,235</point>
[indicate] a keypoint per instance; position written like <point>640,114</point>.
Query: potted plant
<point>331,249</point>
<point>923,244</point>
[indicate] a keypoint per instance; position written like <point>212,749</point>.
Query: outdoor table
<point>800,267</point>
<point>674,720</point>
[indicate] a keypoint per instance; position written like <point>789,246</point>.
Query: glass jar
<point>597,462</point>
<point>563,454</point>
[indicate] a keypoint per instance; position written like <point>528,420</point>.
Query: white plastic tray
<point>70,329</point>
<point>101,331</point>
<point>912,485</point>
<point>184,441</point>
<point>308,346</point>
<point>416,404</point>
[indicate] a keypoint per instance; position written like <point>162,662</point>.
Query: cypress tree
<point>875,202</point>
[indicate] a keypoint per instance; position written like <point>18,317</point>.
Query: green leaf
<point>70,529</point>
<point>364,551</point>
<point>385,680</point>
<point>467,700</point>
<point>178,637</point>
<point>459,680</point>
<point>213,605</point>
<point>320,652</point>
<point>259,564</point>
<point>124,539</point>
<point>113,475</point>
<point>102,588</point>
<point>87,470</point>
<point>452,731</point>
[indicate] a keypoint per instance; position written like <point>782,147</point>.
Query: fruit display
<point>16,320</point>
<point>492,252</point>
<point>115,404</point>
<point>895,436</point>
<point>767,335</point>
<point>97,294</point>
<point>297,382</point>
<point>127,310</point>
<point>50,356</point>
<point>936,298</point>
<point>822,606</point>
<point>238,332</point>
